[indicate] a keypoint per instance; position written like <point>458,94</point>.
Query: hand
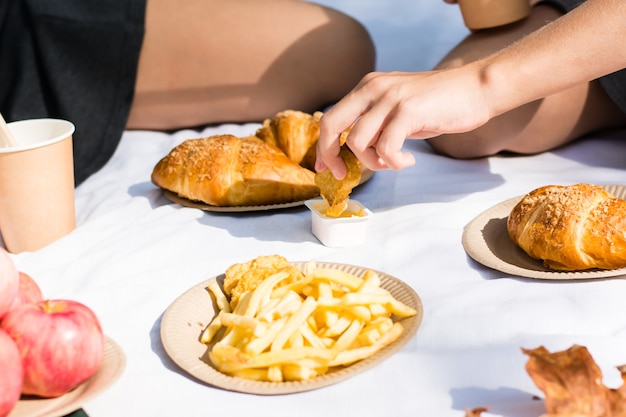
<point>390,107</point>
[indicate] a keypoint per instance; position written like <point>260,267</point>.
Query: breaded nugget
<point>242,277</point>
<point>336,192</point>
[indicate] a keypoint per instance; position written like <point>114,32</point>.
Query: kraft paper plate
<point>487,241</point>
<point>112,366</point>
<point>366,174</point>
<point>186,318</point>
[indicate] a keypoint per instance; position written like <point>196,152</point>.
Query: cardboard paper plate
<point>487,241</point>
<point>186,318</point>
<point>112,366</point>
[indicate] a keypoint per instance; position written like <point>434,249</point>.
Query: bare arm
<point>579,47</point>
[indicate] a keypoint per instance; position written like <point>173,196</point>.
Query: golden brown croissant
<point>295,133</point>
<point>571,228</point>
<point>225,170</point>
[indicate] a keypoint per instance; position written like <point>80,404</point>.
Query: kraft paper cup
<point>483,14</point>
<point>37,184</point>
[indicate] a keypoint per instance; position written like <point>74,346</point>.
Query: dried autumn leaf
<point>572,384</point>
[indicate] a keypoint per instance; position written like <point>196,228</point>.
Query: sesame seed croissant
<point>225,170</point>
<point>571,228</point>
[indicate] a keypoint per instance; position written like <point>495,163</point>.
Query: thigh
<point>537,126</point>
<point>207,61</point>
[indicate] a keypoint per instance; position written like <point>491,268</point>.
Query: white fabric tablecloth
<point>134,252</point>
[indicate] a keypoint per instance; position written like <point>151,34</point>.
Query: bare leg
<point>215,61</point>
<point>535,127</point>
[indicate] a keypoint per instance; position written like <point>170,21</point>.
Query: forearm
<point>583,45</point>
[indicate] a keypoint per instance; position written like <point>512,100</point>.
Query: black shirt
<point>75,60</point>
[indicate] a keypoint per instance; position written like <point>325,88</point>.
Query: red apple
<point>28,291</point>
<point>61,344</point>
<point>11,375</point>
<point>9,281</point>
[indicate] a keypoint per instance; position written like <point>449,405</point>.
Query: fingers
<point>378,137</point>
<point>378,133</point>
<point>328,145</point>
<point>364,138</point>
<point>332,124</point>
<point>374,141</point>
<point>390,142</point>
<point>327,152</point>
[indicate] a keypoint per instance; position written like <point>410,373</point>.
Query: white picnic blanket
<point>134,252</point>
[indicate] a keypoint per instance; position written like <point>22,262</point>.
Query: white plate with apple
<point>54,355</point>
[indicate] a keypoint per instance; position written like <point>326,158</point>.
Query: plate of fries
<point>325,323</point>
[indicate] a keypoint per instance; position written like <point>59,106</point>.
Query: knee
<point>466,145</point>
<point>354,50</point>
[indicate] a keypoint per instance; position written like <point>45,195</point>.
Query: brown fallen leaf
<point>572,384</point>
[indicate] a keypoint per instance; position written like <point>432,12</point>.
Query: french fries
<point>304,327</point>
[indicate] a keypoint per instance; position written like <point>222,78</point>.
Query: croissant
<point>225,170</point>
<point>295,133</point>
<point>571,228</point>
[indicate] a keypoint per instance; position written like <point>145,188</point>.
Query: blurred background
<point>410,35</point>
